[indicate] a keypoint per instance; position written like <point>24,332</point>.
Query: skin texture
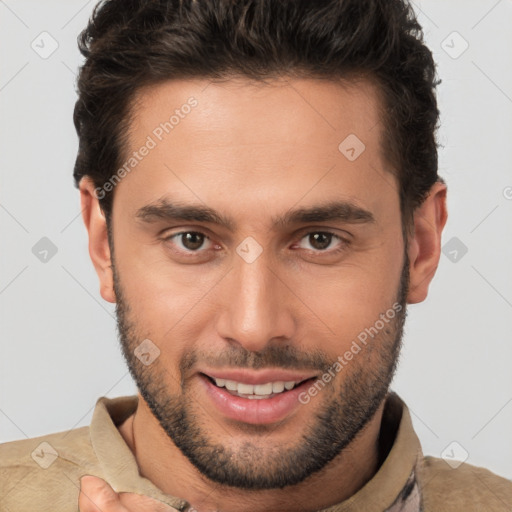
<point>253,152</point>
<point>96,495</point>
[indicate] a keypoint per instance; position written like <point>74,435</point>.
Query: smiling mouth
<point>256,391</point>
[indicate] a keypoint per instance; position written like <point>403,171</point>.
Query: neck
<point>161,462</point>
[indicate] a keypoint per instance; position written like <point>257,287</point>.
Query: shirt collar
<point>116,459</point>
<point>377,495</point>
<point>382,493</point>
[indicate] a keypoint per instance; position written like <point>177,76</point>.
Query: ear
<point>96,225</point>
<point>425,243</point>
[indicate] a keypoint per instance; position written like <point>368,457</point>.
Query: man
<point>259,185</point>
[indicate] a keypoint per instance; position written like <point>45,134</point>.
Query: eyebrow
<point>344,211</point>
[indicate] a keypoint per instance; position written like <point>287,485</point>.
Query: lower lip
<point>262,411</point>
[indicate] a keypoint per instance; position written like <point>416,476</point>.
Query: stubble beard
<point>257,464</point>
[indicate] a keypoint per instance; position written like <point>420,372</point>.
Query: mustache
<point>273,356</point>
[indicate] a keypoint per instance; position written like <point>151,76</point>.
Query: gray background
<point>59,349</point>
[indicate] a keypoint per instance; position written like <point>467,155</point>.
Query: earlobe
<point>99,249</point>
<point>425,244</point>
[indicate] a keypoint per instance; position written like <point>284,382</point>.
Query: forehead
<point>223,107</point>
<point>287,137</point>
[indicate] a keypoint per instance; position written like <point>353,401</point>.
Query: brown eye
<point>320,241</point>
<point>192,241</point>
<point>188,240</point>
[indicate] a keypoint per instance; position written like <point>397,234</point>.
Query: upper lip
<point>258,377</point>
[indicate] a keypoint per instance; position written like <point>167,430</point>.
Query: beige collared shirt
<point>43,474</point>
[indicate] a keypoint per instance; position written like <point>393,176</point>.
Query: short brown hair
<point>130,44</point>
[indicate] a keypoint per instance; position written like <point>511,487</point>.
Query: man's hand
<point>96,495</point>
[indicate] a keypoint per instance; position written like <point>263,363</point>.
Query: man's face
<point>259,301</point>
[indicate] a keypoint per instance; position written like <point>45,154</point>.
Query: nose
<point>257,306</point>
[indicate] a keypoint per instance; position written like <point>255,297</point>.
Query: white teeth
<point>231,385</point>
<point>278,387</point>
<point>255,391</point>
<point>263,389</point>
<point>245,389</point>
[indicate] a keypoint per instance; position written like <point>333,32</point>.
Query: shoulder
<point>42,473</point>
<point>465,487</point>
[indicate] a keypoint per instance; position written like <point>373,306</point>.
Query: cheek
<point>173,303</point>
<point>166,301</point>
<point>351,298</point>
<point>151,275</point>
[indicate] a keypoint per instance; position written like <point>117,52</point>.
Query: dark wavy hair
<point>131,44</point>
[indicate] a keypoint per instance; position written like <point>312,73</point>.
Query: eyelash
<point>342,247</point>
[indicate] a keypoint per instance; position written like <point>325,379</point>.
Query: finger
<point>96,495</point>
<point>139,502</point>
